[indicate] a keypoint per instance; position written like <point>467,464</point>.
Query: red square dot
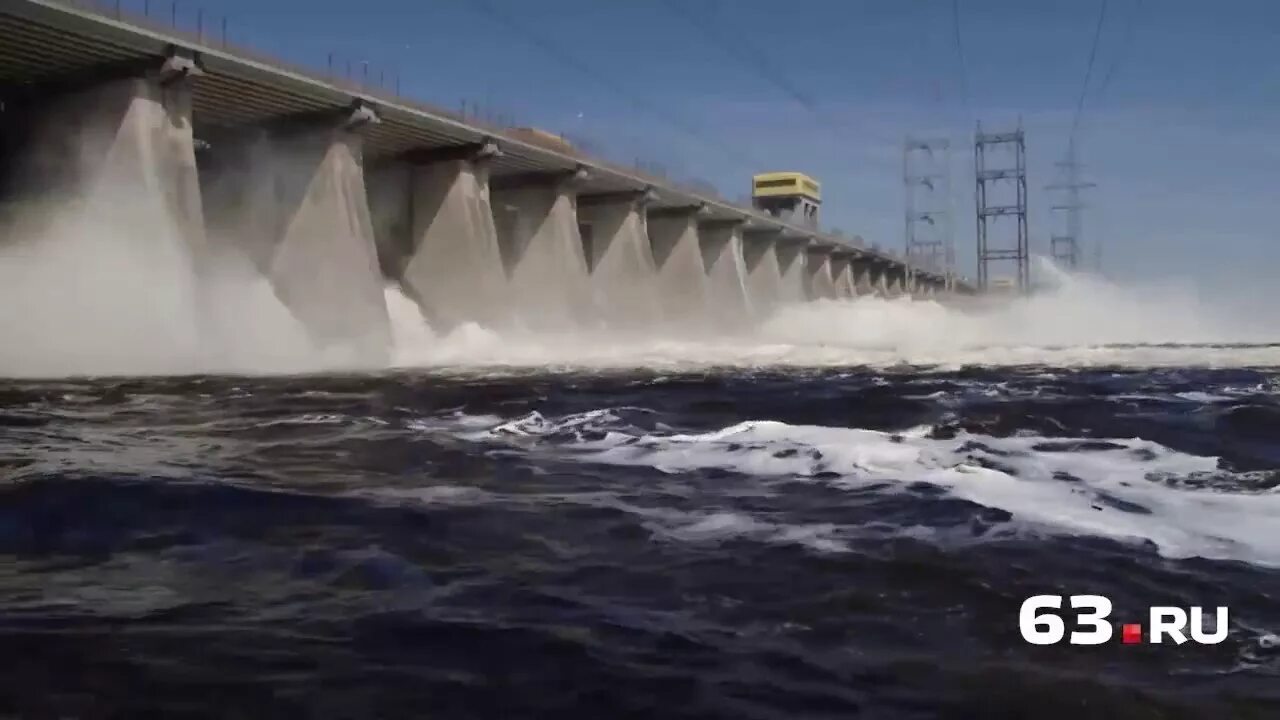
<point>1131,633</point>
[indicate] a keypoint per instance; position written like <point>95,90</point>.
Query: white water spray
<point>1077,321</point>
<point>110,277</point>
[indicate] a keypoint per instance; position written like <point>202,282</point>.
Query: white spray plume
<point>101,282</point>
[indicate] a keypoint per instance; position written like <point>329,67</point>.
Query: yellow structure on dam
<point>791,196</point>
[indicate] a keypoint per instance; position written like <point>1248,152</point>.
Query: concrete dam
<point>224,162</point>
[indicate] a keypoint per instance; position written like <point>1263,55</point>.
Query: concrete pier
<point>775,271</point>
<point>894,283</point>
<point>683,287</point>
<point>615,238</point>
<point>453,266</point>
<point>124,145</point>
<point>866,278</point>
<point>721,245</point>
<point>792,262</point>
<point>842,270</point>
<point>819,281</point>
<point>537,229</point>
<point>293,200</point>
<point>763,274</point>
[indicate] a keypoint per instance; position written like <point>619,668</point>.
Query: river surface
<point>711,543</point>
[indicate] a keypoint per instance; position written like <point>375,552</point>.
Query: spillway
<point>624,281</point>
<point>294,202</point>
<point>542,254</point>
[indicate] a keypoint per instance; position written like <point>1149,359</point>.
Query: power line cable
<point>1088,73</point>
<point>745,52</point>
<point>554,50</point>
<point>964,71</point>
<point>1123,55</point>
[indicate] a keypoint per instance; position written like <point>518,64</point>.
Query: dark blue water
<point>450,546</point>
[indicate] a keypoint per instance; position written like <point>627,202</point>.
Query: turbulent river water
<point>715,542</point>
<point>837,515</point>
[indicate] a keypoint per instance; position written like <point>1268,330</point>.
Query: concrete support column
<point>894,282</point>
<point>721,245</point>
<point>100,182</point>
<point>842,270</point>
<point>775,270</point>
<point>683,286</point>
<point>763,274</point>
<point>917,285</point>
<point>436,235</point>
<point>878,276</point>
<point>615,239</point>
<point>292,198</point>
<point>121,149</point>
<point>792,261</point>
<point>819,280</point>
<point>537,228</point>
<point>865,277</point>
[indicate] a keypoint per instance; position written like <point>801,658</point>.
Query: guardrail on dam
<point>329,189</point>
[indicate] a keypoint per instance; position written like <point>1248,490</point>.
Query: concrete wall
<point>721,246</point>
<point>541,249</point>
<point>623,274</point>
<point>683,286</point>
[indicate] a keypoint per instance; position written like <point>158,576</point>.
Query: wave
<point>1128,489</point>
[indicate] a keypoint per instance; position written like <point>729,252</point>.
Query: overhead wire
<point>964,71</point>
<point>1123,54</point>
<point>745,52</point>
<point>1088,73</point>
<point>554,50</point>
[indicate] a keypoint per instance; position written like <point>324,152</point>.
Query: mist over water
<point>81,297</point>
<point>1076,320</point>
<point>81,294</point>
<point>111,275</point>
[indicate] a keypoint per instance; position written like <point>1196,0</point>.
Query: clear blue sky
<point>1181,140</point>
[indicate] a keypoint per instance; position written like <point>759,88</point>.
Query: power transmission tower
<point>992,204</point>
<point>926,178</point>
<point>1065,247</point>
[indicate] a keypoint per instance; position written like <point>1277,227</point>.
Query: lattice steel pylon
<point>1065,247</point>
<point>986,178</point>
<point>926,179</point>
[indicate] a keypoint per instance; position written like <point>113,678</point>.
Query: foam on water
<point>1124,488</point>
